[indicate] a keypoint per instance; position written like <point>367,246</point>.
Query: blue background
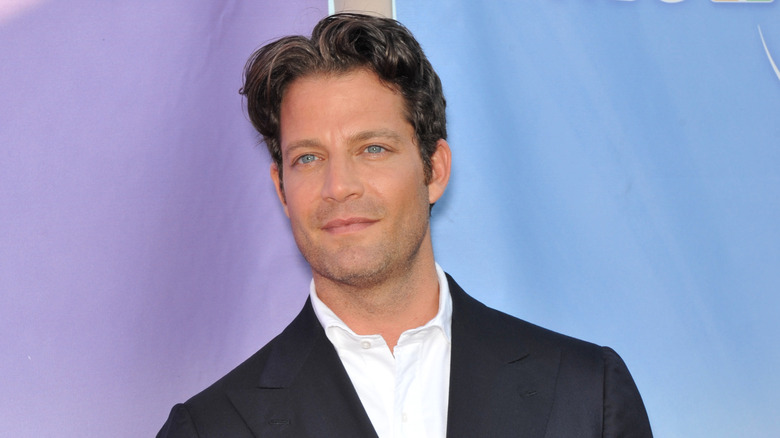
<point>617,178</point>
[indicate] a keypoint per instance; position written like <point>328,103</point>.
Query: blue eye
<point>374,149</point>
<point>305,159</point>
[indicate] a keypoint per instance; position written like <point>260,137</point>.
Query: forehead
<point>323,103</point>
<point>318,85</point>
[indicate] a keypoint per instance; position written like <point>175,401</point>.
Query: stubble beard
<point>362,267</point>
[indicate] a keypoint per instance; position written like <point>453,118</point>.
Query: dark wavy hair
<point>341,43</point>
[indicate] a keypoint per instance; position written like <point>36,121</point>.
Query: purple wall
<point>141,256</point>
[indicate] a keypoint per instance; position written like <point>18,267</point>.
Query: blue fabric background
<point>617,178</point>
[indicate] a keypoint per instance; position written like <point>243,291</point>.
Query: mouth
<point>348,225</point>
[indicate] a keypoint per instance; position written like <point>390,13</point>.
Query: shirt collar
<point>442,320</point>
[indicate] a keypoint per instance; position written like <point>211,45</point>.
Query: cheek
<point>298,208</point>
<point>298,191</point>
<point>410,196</point>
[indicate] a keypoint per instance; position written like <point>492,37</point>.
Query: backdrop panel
<point>143,253</point>
<point>617,178</point>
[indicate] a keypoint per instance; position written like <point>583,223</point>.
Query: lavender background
<point>143,253</point>
<point>615,178</point>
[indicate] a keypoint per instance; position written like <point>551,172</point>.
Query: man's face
<point>354,186</point>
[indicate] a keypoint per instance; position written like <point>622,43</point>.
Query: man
<point>388,344</point>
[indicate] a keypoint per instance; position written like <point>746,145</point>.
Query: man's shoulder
<point>498,328</point>
<point>271,365</point>
<point>294,374</point>
<point>245,375</point>
<point>580,388</point>
<point>211,412</point>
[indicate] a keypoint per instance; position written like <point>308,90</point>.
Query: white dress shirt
<point>404,392</point>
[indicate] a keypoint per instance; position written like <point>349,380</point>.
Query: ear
<point>441,160</point>
<point>278,185</point>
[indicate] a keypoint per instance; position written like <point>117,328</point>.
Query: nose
<point>342,181</point>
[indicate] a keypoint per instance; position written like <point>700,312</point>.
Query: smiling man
<point>388,344</point>
<point>358,197</point>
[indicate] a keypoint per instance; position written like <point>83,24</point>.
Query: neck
<point>398,303</point>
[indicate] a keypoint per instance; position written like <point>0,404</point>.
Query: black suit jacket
<point>508,378</point>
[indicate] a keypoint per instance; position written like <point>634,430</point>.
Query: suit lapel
<point>303,389</point>
<point>497,386</point>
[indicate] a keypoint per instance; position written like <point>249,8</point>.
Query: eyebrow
<point>305,143</point>
<point>379,133</point>
<point>356,138</point>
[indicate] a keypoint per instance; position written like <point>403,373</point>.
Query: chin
<point>354,275</point>
<point>356,269</point>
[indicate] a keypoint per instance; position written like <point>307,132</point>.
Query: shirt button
<point>366,345</point>
<point>404,417</point>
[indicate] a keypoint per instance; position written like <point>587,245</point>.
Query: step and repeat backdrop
<point>616,177</point>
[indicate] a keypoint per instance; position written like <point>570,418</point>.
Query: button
<point>366,345</point>
<point>404,417</point>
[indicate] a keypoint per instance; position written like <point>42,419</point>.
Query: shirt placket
<point>406,407</point>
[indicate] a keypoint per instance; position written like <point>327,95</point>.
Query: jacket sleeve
<point>179,424</point>
<point>624,413</point>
